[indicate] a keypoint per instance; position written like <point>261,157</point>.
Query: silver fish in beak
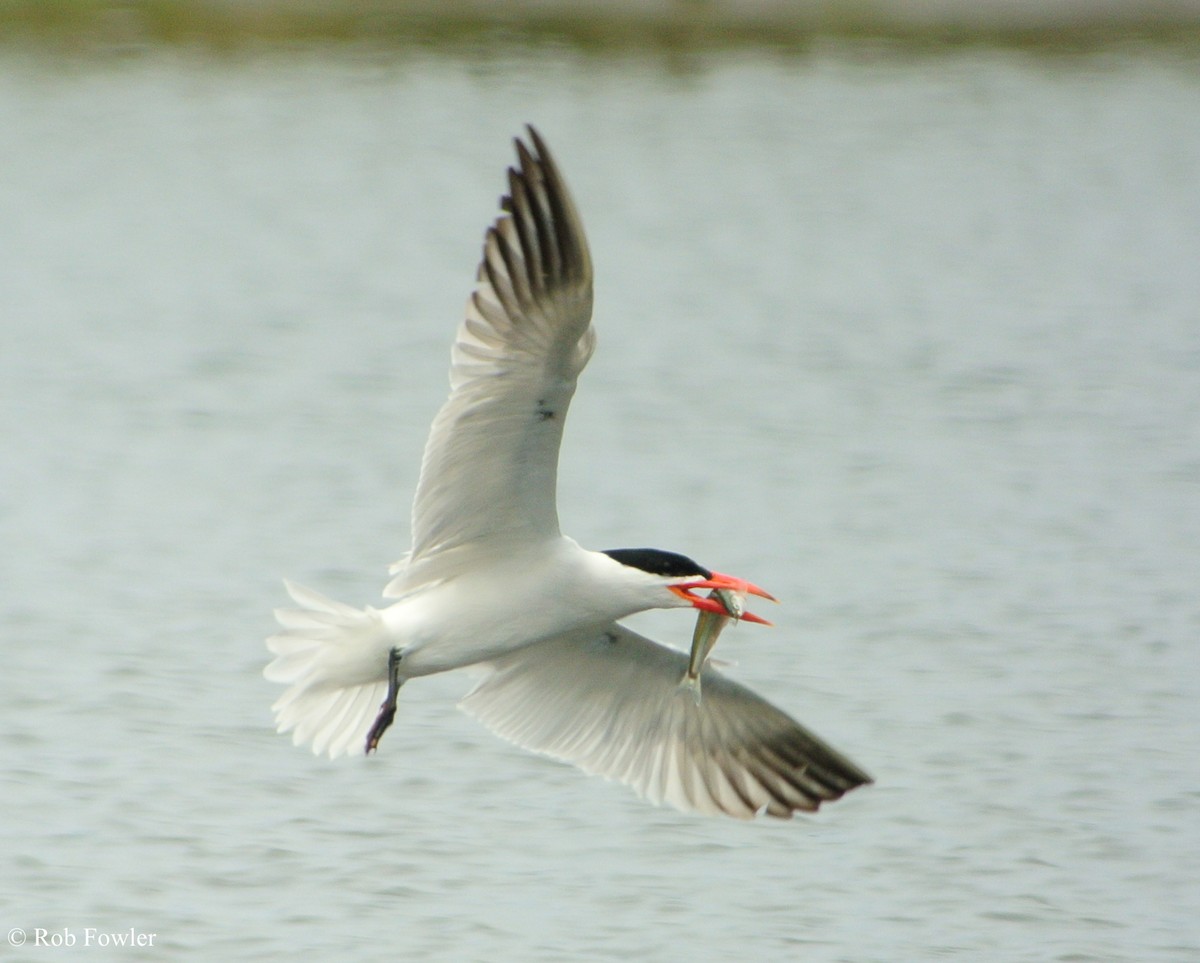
<point>709,626</point>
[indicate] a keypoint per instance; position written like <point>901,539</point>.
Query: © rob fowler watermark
<point>87,936</point>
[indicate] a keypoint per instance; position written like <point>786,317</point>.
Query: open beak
<point>727,583</point>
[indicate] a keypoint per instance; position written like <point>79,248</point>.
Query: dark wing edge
<point>534,290</point>
<point>611,705</point>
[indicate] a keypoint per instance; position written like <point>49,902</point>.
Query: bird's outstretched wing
<point>491,462</point>
<point>610,703</point>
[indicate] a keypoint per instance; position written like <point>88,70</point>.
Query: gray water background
<point>911,340</point>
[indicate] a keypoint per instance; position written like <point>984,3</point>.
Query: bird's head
<point>679,576</point>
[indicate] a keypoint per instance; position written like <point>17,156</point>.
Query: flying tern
<point>491,581</point>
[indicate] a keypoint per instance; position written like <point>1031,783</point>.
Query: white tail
<point>334,658</point>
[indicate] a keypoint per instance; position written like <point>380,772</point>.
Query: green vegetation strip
<point>231,24</point>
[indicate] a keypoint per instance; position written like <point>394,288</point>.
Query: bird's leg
<point>387,708</point>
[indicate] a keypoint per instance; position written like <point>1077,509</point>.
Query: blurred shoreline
<point>612,25</point>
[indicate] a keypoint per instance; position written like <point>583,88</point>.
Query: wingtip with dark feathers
<point>549,226</point>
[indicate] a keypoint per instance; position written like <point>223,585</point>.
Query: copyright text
<point>85,936</point>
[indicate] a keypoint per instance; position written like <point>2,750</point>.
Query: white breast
<point>507,598</point>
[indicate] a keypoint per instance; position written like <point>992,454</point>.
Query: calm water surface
<point>915,343</point>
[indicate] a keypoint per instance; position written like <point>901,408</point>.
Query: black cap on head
<point>657,562</point>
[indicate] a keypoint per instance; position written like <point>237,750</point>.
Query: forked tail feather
<point>333,657</point>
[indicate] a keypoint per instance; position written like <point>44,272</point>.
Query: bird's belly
<point>469,621</point>
<point>452,649</point>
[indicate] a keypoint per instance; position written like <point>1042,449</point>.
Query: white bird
<point>491,581</point>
